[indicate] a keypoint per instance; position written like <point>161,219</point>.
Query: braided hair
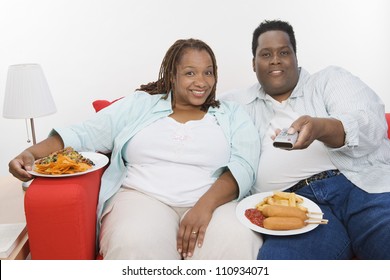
<point>168,70</point>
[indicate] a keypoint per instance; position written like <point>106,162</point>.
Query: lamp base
<point>25,185</point>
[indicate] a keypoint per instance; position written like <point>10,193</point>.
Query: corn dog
<point>284,211</point>
<point>283,223</point>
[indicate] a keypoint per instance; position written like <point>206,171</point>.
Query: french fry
<point>292,200</point>
<point>270,200</point>
<point>282,198</point>
<point>298,199</point>
<point>283,202</point>
<point>284,195</point>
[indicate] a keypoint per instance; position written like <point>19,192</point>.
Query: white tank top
<point>280,169</point>
<point>173,162</point>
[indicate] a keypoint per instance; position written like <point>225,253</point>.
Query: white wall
<point>104,49</point>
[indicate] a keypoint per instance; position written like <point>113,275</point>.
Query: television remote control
<point>285,140</point>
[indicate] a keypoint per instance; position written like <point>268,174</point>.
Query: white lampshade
<point>27,93</point>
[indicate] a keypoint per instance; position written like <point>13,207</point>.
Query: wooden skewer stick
<point>322,222</point>
<point>314,218</point>
<point>315,213</point>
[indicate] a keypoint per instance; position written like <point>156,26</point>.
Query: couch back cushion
<point>102,103</point>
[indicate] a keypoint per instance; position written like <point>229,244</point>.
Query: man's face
<point>276,64</point>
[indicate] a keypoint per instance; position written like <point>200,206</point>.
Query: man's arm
<point>327,130</point>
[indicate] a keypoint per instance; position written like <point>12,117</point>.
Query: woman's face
<point>194,78</point>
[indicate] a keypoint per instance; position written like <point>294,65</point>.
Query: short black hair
<point>269,25</point>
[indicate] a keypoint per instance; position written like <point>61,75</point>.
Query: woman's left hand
<point>193,227</point>
<point>192,230</point>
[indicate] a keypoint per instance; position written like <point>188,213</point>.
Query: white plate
<point>99,160</point>
<point>253,200</point>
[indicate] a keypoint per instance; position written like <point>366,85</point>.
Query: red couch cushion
<point>101,104</point>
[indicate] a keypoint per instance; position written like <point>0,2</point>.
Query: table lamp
<point>27,96</point>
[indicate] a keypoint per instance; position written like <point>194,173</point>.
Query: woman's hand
<point>193,227</point>
<point>192,230</point>
<point>19,166</point>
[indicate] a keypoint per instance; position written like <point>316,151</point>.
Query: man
<point>341,159</point>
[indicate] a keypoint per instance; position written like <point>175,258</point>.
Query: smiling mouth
<point>198,92</point>
<point>275,72</point>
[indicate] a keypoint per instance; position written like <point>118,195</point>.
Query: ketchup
<point>255,216</point>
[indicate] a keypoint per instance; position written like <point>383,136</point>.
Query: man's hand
<point>327,130</point>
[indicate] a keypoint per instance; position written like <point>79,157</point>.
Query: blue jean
<point>359,226</point>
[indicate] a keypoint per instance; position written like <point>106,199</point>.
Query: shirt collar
<point>166,104</point>
<point>163,104</point>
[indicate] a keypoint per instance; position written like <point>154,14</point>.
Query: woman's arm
<point>22,163</point>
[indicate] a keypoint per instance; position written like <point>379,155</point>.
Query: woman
<point>180,160</point>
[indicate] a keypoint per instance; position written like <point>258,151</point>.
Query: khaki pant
<point>137,226</point>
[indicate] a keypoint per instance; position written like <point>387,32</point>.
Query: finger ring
<point>194,232</point>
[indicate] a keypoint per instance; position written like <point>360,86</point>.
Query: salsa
<point>255,216</point>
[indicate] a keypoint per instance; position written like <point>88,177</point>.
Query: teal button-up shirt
<point>111,128</point>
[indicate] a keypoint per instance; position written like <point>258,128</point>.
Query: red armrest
<point>61,216</point>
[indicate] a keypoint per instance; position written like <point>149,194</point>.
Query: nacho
<point>65,161</point>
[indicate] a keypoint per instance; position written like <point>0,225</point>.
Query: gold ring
<point>194,232</point>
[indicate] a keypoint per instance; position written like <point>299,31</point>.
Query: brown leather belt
<point>315,177</point>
